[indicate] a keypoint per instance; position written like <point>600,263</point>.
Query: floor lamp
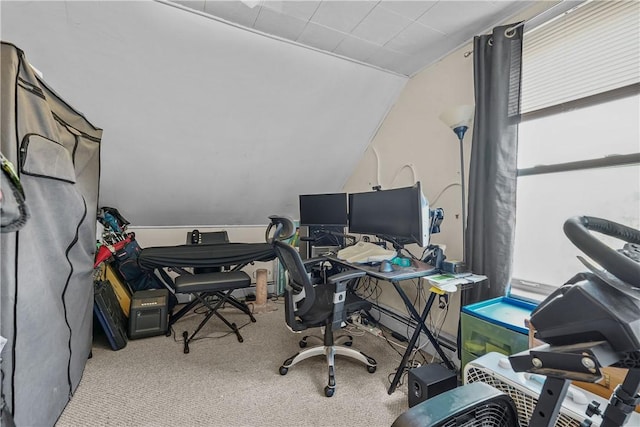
<point>459,119</point>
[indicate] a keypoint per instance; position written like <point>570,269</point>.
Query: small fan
<point>473,405</point>
<point>494,369</point>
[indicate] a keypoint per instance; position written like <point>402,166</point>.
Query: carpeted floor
<point>223,382</point>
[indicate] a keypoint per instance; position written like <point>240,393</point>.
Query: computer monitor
<point>323,209</point>
<point>400,215</point>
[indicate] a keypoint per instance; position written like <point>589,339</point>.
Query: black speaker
<point>428,381</point>
<point>149,313</point>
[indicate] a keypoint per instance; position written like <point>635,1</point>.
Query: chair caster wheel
<point>302,344</point>
<point>328,391</point>
<point>283,370</point>
<point>371,369</point>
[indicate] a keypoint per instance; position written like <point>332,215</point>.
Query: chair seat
<point>212,282</point>
<point>206,285</point>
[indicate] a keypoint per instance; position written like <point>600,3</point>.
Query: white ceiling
<point>400,36</point>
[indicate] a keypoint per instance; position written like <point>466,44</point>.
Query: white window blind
<point>591,49</point>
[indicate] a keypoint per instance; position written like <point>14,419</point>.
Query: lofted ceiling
<point>399,36</point>
<point>225,119</point>
<point>204,123</point>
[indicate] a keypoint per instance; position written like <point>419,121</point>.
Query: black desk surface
<point>415,270</point>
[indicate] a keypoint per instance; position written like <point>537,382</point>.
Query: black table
<point>416,270</point>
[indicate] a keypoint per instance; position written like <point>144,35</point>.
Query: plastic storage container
<point>494,325</point>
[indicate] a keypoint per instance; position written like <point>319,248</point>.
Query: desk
<point>416,270</point>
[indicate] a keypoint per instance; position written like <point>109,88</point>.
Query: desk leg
<point>416,333</point>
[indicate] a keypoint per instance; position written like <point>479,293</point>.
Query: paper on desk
<point>363,252</point>
<point>450,282</point>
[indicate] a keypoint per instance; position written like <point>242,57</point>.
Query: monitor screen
<point>400,215</point>
<point>323,209</point>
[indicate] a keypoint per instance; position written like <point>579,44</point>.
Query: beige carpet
<point>223,382</point>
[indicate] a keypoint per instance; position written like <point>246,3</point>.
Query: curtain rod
<point>542,17</point>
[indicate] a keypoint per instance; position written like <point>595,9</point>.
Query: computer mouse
<point>386,266</point>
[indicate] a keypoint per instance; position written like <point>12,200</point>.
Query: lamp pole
<point>459,119</point>
<point>460,131</point>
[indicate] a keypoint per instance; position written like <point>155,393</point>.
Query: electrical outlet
<point>443,300</point>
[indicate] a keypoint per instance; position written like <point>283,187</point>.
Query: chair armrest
<point>312,261</point>
<point>346,276</point>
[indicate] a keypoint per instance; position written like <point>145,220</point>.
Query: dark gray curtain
<point>492,173</point>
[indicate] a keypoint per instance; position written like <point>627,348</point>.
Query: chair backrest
<point>300,283</point>
<point>280,228</point>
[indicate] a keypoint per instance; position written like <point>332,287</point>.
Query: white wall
<point>204,122</point>
<point>413,135</point>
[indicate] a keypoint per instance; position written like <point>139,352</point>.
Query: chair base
<point>346,340</point>
<point>330,352</point>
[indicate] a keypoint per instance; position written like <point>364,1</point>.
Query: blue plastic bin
<point>503,311</point>
<point>494,325</point>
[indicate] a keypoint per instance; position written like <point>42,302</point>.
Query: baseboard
<point>401,324</point>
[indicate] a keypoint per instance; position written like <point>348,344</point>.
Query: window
<point>579,139</point>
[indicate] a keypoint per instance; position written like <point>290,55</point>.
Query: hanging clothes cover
<point>46,280</point>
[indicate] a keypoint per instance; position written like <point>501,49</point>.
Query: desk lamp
<point>459,119</point>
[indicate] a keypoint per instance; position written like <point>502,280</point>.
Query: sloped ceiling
<point>403,36</point>
<point>218,113</point>
<point>204,123</point>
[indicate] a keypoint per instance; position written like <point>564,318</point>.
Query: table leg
<point>416,333</point>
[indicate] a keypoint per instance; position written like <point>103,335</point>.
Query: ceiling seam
<point>274,37</point>
<point>306,24</point>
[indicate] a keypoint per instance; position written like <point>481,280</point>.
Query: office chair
<point>319,302</point>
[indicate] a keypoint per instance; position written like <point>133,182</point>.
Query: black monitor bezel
<point>326,199</point>
<point>412,234</point>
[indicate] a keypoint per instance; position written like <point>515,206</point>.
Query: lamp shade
<point>460,115</point>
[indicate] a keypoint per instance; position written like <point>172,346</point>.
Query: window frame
<point>530,289</point>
